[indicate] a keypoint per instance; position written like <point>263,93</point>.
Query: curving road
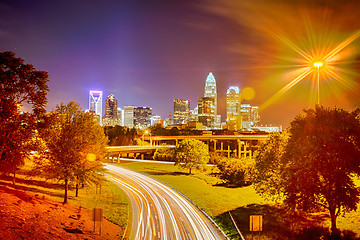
<point>159,212</point>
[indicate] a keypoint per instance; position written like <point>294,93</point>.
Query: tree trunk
<point>14,173</point>
<point>77,189</point>
<point>66,191</point>
<point>189,171</point>
<point>333,221</point>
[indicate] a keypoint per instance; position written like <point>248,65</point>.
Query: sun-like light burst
<point>317,64</point>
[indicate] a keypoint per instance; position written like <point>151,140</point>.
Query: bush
<point>236,172</point>
<point>164,154</point>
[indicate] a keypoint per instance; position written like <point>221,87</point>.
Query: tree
<point>76,147</point>
<point>20,84</point>
<point>121,136</point>
<point>320,161</point>
<point>267,179</point>
<point>191,153</point>
<point>236,171</point>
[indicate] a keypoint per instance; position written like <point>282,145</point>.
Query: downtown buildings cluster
<point>239,116</point>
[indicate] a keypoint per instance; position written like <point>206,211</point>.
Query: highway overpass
<point>229,145</point>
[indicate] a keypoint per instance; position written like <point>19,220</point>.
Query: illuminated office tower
<point>181,111</point>
<point>245,113</point>
<point>255,116</point>
<point>110,118</point>
<point>250,116</point>
<point>194,114</point>
<point>206,109</point>
<point>129,116</point>
<point>95,102</point>
<point>142,117</point>
<point>120,115</point>
<point>156,119</point>
<point>210,91</point>
<point>233,103</point>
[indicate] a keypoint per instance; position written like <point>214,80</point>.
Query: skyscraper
<point>120,115</point>
<point>142,116</point>
<point>210,90</point>
<point>111,107</point>
<point>250,116</point>
<point>181,111</point>
<point>95,102</point>
<point>233,103</point>
<point>246,116</point>
<point>206,109</point>
<point>129,116</point>
<point>110,118</point>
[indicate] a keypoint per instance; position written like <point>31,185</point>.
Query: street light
<point>318,65</point>
<point>147,132</point>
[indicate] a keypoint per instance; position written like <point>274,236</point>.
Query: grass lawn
<point>203,188</point>
<point>112,199</point>
<point>199,187</point>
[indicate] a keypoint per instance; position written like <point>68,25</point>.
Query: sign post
<point>97,216</point>
<point>98,186</point>
<point>256,223</point>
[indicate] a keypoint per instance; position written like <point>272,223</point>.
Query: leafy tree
<point>191,153</point>
<point>174,131</point>
<point>20,84</point>
<point>236,171</point>
<point>158,130</point>
<point>320,161</point>
<point>121,136</point>
<point>76,147</point>
<point>267,179</point>
<point>164,154</point>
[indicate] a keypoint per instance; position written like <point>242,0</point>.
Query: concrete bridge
<point>228,145</point>
<point>134,151</point>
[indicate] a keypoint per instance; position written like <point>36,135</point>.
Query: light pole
<point>318,65</point>
<point>145,133</point>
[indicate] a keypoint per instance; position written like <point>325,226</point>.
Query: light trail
<point>159,212</point>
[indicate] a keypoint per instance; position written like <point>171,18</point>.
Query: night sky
<point>149,52</point>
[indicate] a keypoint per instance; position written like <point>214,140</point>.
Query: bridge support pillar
<point>215,145</point>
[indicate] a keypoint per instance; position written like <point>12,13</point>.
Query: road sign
<point>256,223</point>
<point>97,216</point>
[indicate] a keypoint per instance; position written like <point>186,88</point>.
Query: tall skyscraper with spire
<point>95,102</point>
<point>210,89</point>
<point>207,106</point>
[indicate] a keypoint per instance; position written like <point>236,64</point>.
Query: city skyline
<point>150,53</point>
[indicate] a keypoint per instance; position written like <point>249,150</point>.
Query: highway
<point>159,212</point>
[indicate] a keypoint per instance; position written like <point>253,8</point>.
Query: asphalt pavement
<point>160,212</point>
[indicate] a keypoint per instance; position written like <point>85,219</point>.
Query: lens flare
<point>248,93</point>
<point>317,64</point>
